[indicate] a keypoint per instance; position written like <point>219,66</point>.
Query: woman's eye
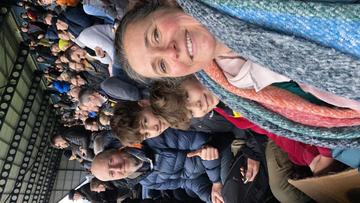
<point>162,66</point>
<point>156,35</point>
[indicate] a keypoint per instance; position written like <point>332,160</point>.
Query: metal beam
<point>10,157</point>
<point>39,155</point>
<point>45,195</point>
<point>29,149</point>
<point>12,82</point>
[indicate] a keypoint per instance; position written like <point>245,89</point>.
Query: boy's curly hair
<point>125,122</point>
<point>168,100</point>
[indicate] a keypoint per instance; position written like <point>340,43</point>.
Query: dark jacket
<point>179,139</point>
<point>87,194</point>
<point>172,168</point>
<point>78,137</point>
<point>218,125</point>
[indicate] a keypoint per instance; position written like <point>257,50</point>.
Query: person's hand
<point>83,151</point>
<point>251,171</point>
<point>73,157</point>
<point>40,36</point>
<point>100,52</point>
<point>48,19</point>
<point>206,153</point>
<point>216,193</point>
<point>63,35</point>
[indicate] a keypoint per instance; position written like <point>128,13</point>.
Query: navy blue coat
<point>173,169</point>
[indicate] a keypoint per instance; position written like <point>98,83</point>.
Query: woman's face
<point>200,100</point>
<point>168,43</point>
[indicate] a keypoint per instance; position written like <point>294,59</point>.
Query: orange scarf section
<point>72,3</point>
<point>286,103</point>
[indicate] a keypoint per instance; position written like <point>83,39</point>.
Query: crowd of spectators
<point>163,141</point>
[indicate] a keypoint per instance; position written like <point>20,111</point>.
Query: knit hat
<point>63,44</point>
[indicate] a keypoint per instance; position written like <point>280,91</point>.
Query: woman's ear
<point>144,102</point>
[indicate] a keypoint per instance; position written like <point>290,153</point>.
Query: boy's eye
<point>156,35</point>
<point>162,66</point>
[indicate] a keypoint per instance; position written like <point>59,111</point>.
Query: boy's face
<point>200,100</point>
<point>151,125</point>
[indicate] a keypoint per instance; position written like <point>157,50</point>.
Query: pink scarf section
<point>290,105</point>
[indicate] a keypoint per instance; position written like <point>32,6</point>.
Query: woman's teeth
<point>189,45</point>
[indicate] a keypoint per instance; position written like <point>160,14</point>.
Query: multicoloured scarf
<point>341,137</point>
<point>314,43</point>
<point>284,47</point>
<point>289,105</point>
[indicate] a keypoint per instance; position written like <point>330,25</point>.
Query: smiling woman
<point>169,42</point>
<point>156,41</point>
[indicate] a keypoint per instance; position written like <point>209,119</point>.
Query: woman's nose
<point>169,52</point>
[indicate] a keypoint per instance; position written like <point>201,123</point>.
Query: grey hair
<point>134,15</point>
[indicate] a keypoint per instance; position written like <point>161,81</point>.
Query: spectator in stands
<point>84,192</point>
<point>77,138</point>
<point>191,173</point>
<point>91,124</point>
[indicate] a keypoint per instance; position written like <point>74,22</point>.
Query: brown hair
<point>125,122</point>
<point>168,100</point>
<point>138,11</point>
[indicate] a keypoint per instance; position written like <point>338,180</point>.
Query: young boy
<point>199,102</point>
<point>134,123</point>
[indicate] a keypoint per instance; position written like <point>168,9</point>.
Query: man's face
<point>78,54</point>
<point>114,165</point>
<point>61,143</point>
<point>77,81</point>
<point>151,125</point>
<point>93,101</point>
<point>92,127</point>
<point>77,196</point>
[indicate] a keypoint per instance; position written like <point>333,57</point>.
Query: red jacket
<point>299,153</point>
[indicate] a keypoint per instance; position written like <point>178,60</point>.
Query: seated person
<point>108,191</point>
<point>156,170</point>
<point>91,124</point>
<point>92,98</point>
<point>77,138</point>
<point>84,192</point>
<point>199,102</point>
<point>104,140</point>
<point>133,124</point>
<point>72,155</point>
